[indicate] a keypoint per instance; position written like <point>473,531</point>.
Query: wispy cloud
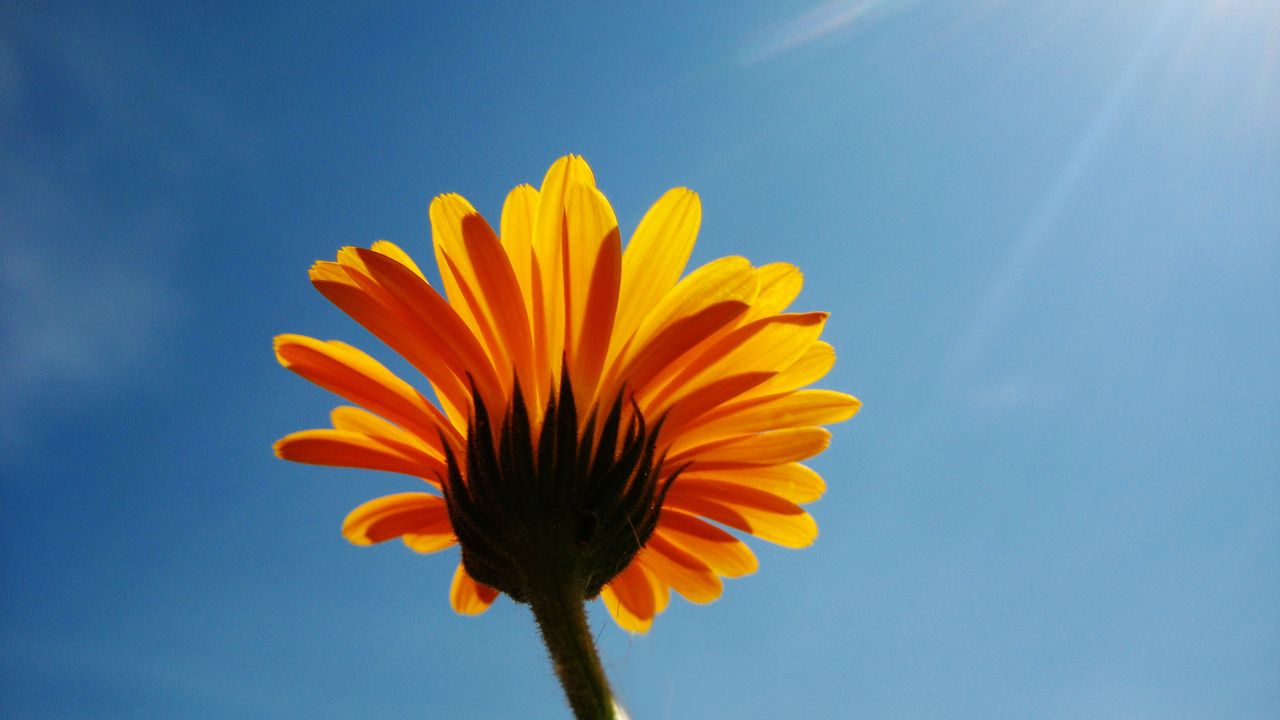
<point>74,324</point>
<point>68,321</point>
<point>819,22</point>
<point>1012,394</point>
<point>94,216</point>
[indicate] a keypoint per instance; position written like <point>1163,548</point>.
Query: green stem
<point>562,618</point>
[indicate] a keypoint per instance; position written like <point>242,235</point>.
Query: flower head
<point>595,413</point>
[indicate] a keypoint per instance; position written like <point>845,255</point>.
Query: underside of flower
<point>557,498</point>
<point>590,414</point>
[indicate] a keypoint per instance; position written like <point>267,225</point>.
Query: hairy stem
<point>559,609</point>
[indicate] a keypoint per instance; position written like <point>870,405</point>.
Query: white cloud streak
<point>819,22</point>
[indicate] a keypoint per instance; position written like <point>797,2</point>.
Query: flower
<point>593,408</point>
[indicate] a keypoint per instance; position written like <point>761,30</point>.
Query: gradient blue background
<point>1048,233</point>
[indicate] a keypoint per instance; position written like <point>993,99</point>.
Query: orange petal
<point>683,571</point>
<point>396,515</point>
<point>723,553</point>
<point>350,373</point>
<point>429,543</point>
<point>482,285</point>
<point>342,448</point>
<point>629,598</point>
<point>467,596</point>
<point>356,294</point>
<point>661,590</point>
<point>354,419</point>
<point>440,331</point>
<point>503,302</point>
<point>760,513</point>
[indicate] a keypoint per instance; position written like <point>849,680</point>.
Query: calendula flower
<point>597,417</point>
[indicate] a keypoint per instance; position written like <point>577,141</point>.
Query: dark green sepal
<point>562,502</point>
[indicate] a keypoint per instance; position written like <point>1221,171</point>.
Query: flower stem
<point>562,618</point>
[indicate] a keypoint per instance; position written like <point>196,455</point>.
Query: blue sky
<point>1048,234</point>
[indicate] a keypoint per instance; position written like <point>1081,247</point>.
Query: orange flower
<point>588,401</point>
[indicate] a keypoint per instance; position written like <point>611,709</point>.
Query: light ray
<point>994,305</point>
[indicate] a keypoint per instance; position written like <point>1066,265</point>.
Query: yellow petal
<point>467,596</point>
<point>656,256</point>
<point>803,407</point>
<point>518,213</point>
<point>811,367</point>
<point>392,516</point>
<point>391,250</point>
<point>767,448</point>
<point>792,481</point>
<point>446,213</point>
<point>458,231</point>
<point>548,234</point>
<point>659,356</point>
<point>780,283</point>
<point>519,216</point>
<point>563,174</point>
<point>483,286</point>
<point>767,345</point>
<point>775,286</point>
<point>683,417</point>
<point>727,280</point>
<point>330,272</point>
<point>661,590</point>
<point>760,513</point>
<point>592,261</point>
